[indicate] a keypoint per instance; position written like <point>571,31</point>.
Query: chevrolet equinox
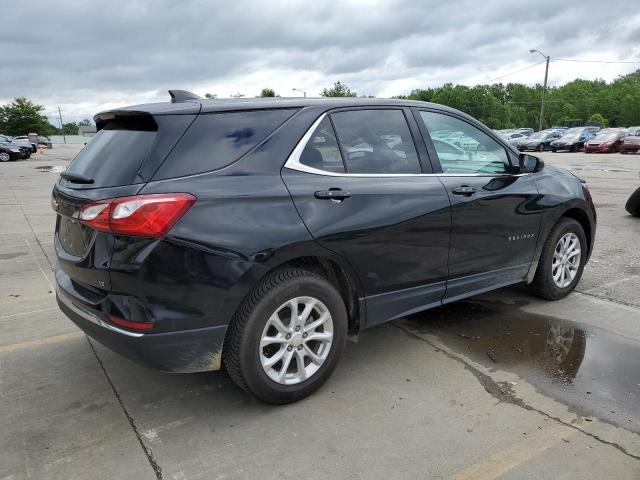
<point>260,234</point>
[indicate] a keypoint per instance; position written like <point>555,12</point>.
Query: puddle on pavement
<point>51,168</point>
<point>594,372</point>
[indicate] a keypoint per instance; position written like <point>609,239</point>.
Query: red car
<point>606,141</point>
<point>630,144</point>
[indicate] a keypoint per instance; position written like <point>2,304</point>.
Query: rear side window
<point>216,140</point>
<point>376,141</point>
<point>114,155</point>
<point>322,151</point>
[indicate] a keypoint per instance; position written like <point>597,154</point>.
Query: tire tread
<point>235,332</point>
<point>541,284</point>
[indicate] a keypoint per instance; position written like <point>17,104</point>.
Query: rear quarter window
<point>216,140</point>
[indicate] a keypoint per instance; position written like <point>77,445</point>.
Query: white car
<point>24,140</point>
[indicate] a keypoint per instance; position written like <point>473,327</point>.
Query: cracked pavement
<point>501,386</point>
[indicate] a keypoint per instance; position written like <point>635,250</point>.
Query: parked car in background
<point>573,139</point>
<point>634,131</point>
<point>525,131</point>
<point>42,140</point>
<point>630,144</point>
<point>539,141</point>
<point>514,138</point>
<point>606,141</point>
<point>313,220</point>
<point>24,140</point>
<point>459,139</point>
<point>8,142</point>
<point>10,152</point>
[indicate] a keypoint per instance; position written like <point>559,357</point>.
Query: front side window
<point>376,141</point>
<point>469,151</point>
<point>322,151</point>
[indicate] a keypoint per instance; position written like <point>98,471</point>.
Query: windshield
<point>537,136</point>
<point>605,136</point>
<point>571,136</point>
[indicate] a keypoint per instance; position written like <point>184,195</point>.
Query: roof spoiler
<point>178,96</point>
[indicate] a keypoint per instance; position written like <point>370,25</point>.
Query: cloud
<point>93,55</point>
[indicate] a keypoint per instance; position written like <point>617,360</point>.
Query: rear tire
<point>633,204</point>
<point>541,147</point>
<point>555,261</point>
<point>4,157</point>
<point>255,337</point>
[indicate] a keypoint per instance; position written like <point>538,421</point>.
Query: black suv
<point>260,234</point>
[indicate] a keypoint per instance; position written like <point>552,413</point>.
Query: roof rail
<point>178,96</point>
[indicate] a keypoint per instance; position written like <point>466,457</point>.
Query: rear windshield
<point>216,140</point>
<point>114,155</point>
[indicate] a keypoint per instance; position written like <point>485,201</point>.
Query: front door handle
<point>465,190</point>
<point>335,194</point>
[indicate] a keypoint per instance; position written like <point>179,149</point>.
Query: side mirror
<point>529,163</point>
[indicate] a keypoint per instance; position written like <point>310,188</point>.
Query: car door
<point>363,194</point>
<point>494,219</point>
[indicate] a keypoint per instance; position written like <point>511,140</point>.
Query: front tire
<point>541,147</point>
<point>287,336</point>
<point>4,157</point>
<point>562,260</point>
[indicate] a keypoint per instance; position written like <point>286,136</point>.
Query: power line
<point>514,72</point>
<point>593,61</point>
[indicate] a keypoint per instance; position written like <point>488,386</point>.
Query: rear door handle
<point>336,194</point>
<point>465,190</point>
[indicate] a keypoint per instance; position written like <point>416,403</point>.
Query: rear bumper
<point>182,351</point>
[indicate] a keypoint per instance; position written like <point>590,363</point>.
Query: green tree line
<point>499,105</point>
<point>616,103</point>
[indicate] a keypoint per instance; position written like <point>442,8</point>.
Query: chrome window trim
<point>293,163</point>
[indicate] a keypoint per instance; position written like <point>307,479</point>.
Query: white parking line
<point>19,314</point>
<point>38,264</point>
<point>40,342</point>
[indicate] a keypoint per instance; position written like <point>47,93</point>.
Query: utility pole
<point>64,138</point>
<point>544,87</point>
<point>303,92</point>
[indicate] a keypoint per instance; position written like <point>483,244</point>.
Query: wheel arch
<point>582,218</point>
<point>574,211</point>
<point>327,264</point>
<point>340,277</point>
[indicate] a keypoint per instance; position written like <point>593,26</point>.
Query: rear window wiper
<point>76,178</point>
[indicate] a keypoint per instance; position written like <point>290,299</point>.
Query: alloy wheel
<point>4,157</point>
<point>296,340</point>
<point>566,260</point>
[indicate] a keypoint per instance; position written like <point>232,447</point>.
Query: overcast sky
<point>91,55</point>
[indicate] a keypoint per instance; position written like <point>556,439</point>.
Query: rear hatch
<point>126,151</point>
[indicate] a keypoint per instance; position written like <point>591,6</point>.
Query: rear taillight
<point>140,215</point>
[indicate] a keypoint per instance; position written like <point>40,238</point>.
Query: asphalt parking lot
<point>500,386</point>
